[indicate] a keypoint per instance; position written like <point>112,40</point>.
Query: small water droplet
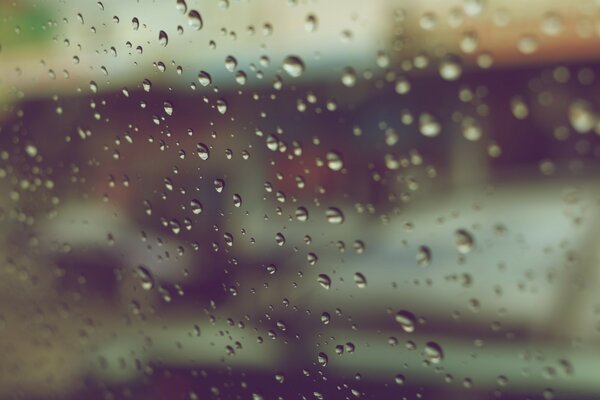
<point>429,126</point>
<point>424,256</point>
<point>360,280</point>
<point>203,151</point>
<point>219,185</point>
<point>349,77</point>
<point>168,107</point>
<point>279,239</point>
<point>322,359</point>
<point>311,23</point>
<point>163,38</point>
<point>464,241</point>
<point>221,106</point>
<point>146,278</point>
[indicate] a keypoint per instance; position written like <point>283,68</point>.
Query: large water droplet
<point>334,215</point>
<point>294,66</point>
<point>195,20</point>
<point>324,280</point>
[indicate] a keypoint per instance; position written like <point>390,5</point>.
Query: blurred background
<point>299,199</point>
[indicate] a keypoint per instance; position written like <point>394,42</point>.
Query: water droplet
<point>349,77</point>
<point>334,160</point>
<point>311,23</point>
<point>464,241</point>
<point>552,23</point>
<point>204,78</point>
<point>360,280</point>
<point>424,256</point>
<point>147,85</point>
<point>230,63</point>
<point>31,150</point>
<point>163,39</point>
<point>219,185</point>
<point>312,258</point>
<point>181,6</point>
<point>429,125</point>
<point>324,280</point>
<point>279,239</point>
<point>221,106</point>
<point>301,214</point>
<point>135,23</point>
<point>168,107</point>
<point>145,277</point>
<point>428,21</point>
<point>434,352</point>
<point>334,215</point>
<point>195,20</point>
<point>196,206</point>
<point>527,44</point>
<point>325,318</point>
<point>240,77</point>
<point>582,116</point>
<point>400,379</point>
<point>450,68</point>
<point>322,359</point>
<point>293,66</point>
<point>203,151</point>
<point>406,319</point>
<point>237,200</point>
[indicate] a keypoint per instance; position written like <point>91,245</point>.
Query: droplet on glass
<point>424,256</point>
<point>450,68</point>
<point>301,214</point>
<point>434,352</point>
<point>204,78</point>
<point>334,160</point>
<point>324,280</point>
<point>195,20</point>
<point>293,66</point>
<point>163,39</point>
<point>349,77</point>
<point>145,277</point>
<point>311,23</point>
<point>203,151</point>
<point>464,241</point>
<point>360,280</point>
<point>407,320</point>
<point>221,106</point>
<point>334,215</point>
<point>429,125</point>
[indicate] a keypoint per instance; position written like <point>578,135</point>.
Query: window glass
<point>299,199</point>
